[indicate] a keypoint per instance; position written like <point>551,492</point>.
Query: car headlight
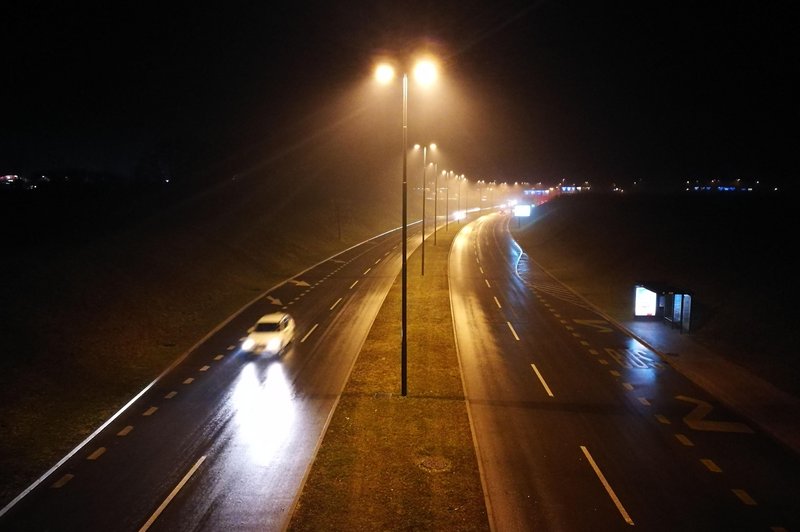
<point>248,344</point>
<point>274,345</point>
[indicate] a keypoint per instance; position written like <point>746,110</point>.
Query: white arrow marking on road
<point>600,325</point>
<point>274,300</point>
<point>694,419</point>
<point>298,283</point>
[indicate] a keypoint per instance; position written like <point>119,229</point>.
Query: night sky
<point>538,91</point>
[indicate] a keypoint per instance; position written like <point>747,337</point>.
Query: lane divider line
<point>744,497</point>
<point>63,480</point>
<point>172,494</point>
<point>541,379</point>
<point>150,411</point>
<point>352,285</point>
<point>336,303</point>
<point>97,454</point>
<point>607,486</point>
<point>497,302</point>
<point>512,330</point>
<point>309,332</point>
<point>124,432</point>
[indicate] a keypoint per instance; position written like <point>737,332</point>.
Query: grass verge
<point>389,462</point>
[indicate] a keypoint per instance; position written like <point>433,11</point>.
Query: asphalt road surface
<point>579,427</point>
<point>223,439</point>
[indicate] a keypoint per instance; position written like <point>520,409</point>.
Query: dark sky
<point>539,90</point>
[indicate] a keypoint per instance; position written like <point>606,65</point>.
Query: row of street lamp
<point>425,73</point>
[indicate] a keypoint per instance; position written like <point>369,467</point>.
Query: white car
<point>270,334</point>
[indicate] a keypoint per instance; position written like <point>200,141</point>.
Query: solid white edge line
<point>607,486</point>
<point>541,379</point>
<point>309,332</point>
<point>172,494</point>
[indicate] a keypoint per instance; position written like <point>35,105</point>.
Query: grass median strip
<point>390,462</point>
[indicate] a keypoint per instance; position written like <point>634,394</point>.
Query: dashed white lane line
<point>205,368</point>
<point>124,432</point>
<point>366,271</point>
<point>744,497</point>
<point>643,400</point>
<point>150,411</point>
<point>684,440</point>
<point>170,395</point>
<point>607,486</point>
<point>497,302</point>
<point>219,357</point>
<point>189,380</point>
<point>663,419</point>
<point>487,283</point>
<point>710,465</point>
<point>336,303</point>
<point>541,379</point>
<point>63,480</point>
<point>352,285</point>
<point>309,332</point>
<point>172,494</point>
<point>512,330</point>
<point>97,454</point>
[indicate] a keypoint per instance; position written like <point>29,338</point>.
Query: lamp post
<point>435,202</point>
<point>446,204</point>
<point>424,198</point>
<point>425,71</point>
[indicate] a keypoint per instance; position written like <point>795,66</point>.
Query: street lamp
<point>425,73</point>
<point>424,191</point>
<point>446,204</point>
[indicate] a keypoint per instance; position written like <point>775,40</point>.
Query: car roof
<point>273,317</point>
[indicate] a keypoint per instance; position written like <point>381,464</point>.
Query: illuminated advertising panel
<point>646,302</point>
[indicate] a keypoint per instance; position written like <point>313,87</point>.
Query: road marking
<point>352,285</point>
<point>366,271</point>
<point>63,480</point>
<point>274,300</point>
<point>628,386</point>
<point>643,400</point>
<point>204,368</point>
<point>487,283</point>
<point>695,419</point>
<point>219,357</point>
<point>298,283</point>
<point>497,302</point>
<point>596,352</point>
<point>541,379</point>
<point>309,332</point>
<point>663,419</point>
<point>601,326</point>
<point>744,497</point>
<point>377,261</point>
<point>170,395</point>
<point>710,465</point>
<point>172,494</point>
<point>607,486</point>
<point>512,330</point>
<point>336,303</point>
<point>614,373</point>
<point>189,380</point>
<point>124,432</point>
<point>231,347</point>
<point>684,440</point>
<point>150,411</point>
<point>97,454</point>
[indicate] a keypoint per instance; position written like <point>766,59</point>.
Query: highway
<point>222,440</point>
<point>579,427</point>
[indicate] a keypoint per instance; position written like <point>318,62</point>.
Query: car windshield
<point>266,327</point>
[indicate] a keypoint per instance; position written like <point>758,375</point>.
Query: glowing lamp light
<point>425,72</point>
<point>384,73</point>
